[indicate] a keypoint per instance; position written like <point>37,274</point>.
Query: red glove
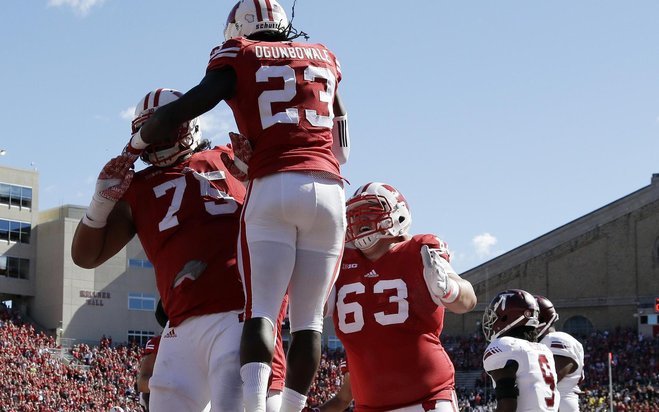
<point>112,183</point>
<point>242,153</point>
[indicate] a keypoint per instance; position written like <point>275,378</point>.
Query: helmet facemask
<point>376,211</point>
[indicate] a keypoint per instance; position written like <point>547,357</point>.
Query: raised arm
<point>107,225</point>
<point>217,85</point>
<point>446,287</point>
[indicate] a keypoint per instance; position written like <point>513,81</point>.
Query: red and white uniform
<point>283,102</point>
<point>293,222</point>
<point>278,377</point>
<point>389,325</point>
<point>563,344</point>
<point>536,372</point>
<point>185,214</point>
<point>187,219</point>
<point>151,346</point>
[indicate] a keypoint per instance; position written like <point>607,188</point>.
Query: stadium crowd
<point>35,377</point>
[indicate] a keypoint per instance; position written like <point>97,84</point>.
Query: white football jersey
<point>536,373</point>
<point>563,344</point>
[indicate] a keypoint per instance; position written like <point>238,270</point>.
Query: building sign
<point>94,298</point>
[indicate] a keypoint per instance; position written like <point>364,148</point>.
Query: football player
<point>388,307</point>
<point>568,355</point>
<point>284,98</point>
<point>185,209</point>
<point>148,359</point>
<point>521,369</point>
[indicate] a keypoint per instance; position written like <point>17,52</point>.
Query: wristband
<point>98,211</point>
<point>452,291</point>
<point>136,141</point>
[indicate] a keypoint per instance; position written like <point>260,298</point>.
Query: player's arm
<point>93,246</point>
<point>145,372</point>
<point>506,391</point>
<point>564,366</point>
<point>162,126</point>
<point>107,225</point>
<point>446,287</point>
<point>340,132</point>
<point>341,400</point>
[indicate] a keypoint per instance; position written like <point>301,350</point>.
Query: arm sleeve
<point>341,139</point>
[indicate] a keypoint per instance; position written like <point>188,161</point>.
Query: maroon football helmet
<point>547,317</point>
<point>509,309</point>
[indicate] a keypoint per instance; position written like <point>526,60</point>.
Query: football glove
<point>436,271</point>
<point>112,183</point>
<point>242,153</point>
<point>136,145</point>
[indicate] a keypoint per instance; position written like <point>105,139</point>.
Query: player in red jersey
<point>388,307</point>
<point>148,359</point>
<point>185,210</point>
<point>278,376</point>
<point>284,98</point>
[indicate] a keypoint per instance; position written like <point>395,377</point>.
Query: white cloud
<point>483,244</point>
<point>80,7</point>
<point>128,113</point>
<point>216,125</point>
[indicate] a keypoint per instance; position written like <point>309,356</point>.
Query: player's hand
<point>115,177</point>
<point>434,271</point>
<point>111,185</point>
<point>242,153</point>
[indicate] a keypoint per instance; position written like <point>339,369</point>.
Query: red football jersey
<point>187,219</point>
<point>283,102</point>
<point>151,346</point>
<point>390,329</point>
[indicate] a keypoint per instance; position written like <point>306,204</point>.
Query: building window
<point>140,263</point>
<point>655,254</point>
<point>13,267</point>
<point>139,337</point>
<point>14,231</point>
<point>17,196</point>
<point>141,301</point>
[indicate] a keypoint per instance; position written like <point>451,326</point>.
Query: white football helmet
<point>252,16</point>
<point>189,134</point>
<point>376,211</point>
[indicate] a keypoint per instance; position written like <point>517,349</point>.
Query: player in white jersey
<point>522,370</point>
<point>568,355</point>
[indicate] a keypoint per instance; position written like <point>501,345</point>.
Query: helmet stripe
<point>259,13</point>
<point>156,98</point>
<point>145,104</point>
<point>269,9</point>
<point>263,8</point>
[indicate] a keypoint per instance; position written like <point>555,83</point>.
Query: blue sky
<point>499,121</point>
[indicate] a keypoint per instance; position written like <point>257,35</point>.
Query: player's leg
<point>224,365</point>
<point>321,232</point>
<point>273,403</point>
<point>266,258</point>
<point>179,381</point>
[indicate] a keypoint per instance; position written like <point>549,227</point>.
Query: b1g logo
<point>349,266</point>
